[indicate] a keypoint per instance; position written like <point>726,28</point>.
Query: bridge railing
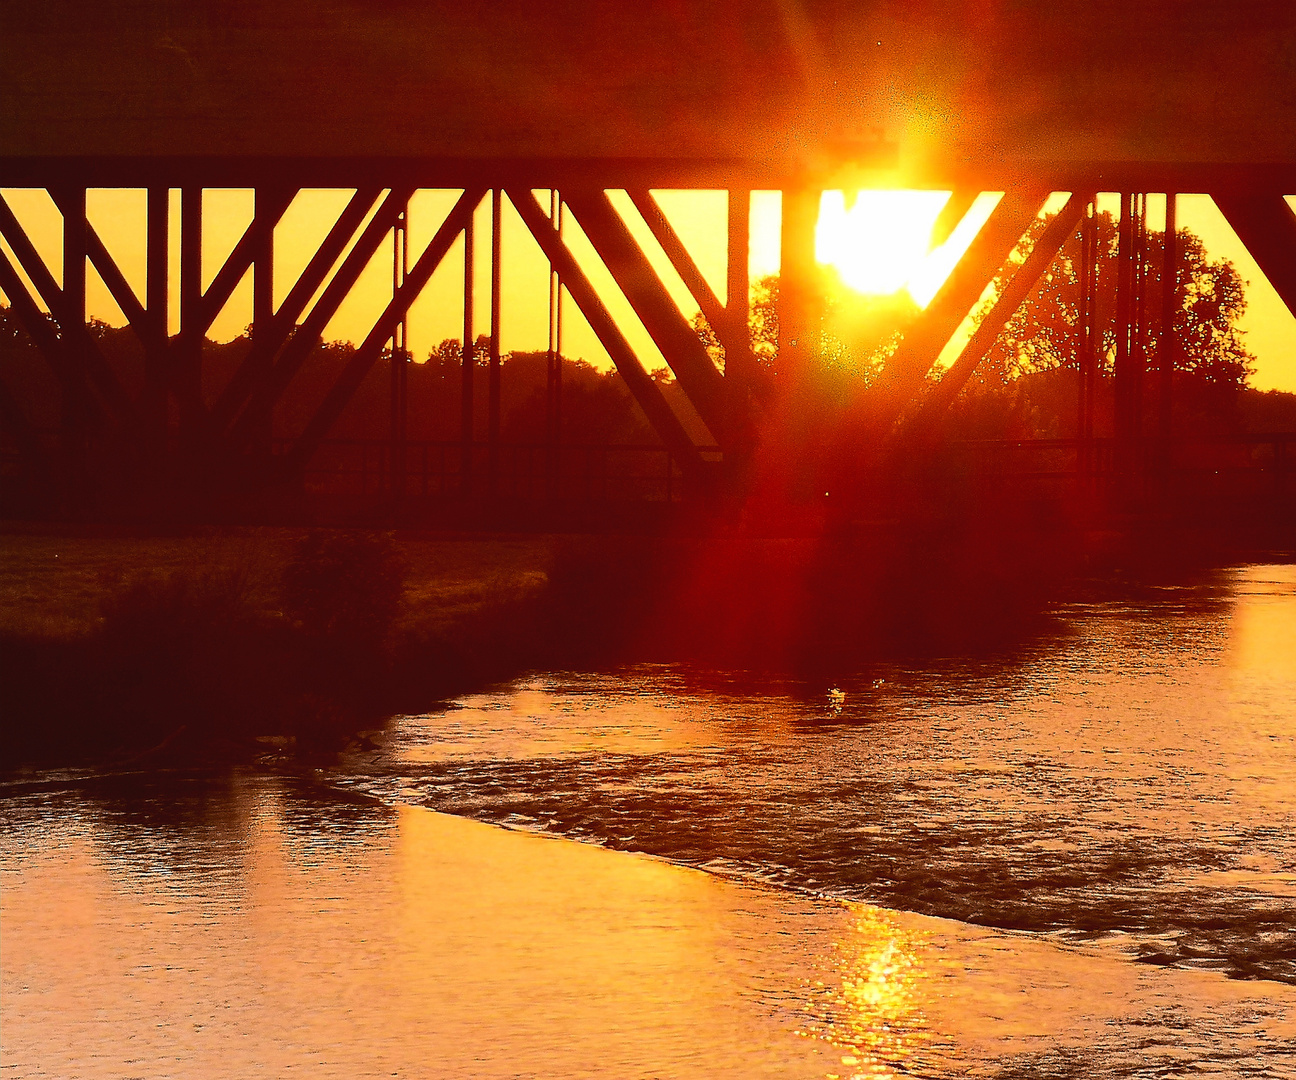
<point>429,468</point>
<point>1250,466</point>
<point>1233,465</point>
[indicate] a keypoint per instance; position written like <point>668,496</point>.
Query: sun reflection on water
<point>875,1017</point>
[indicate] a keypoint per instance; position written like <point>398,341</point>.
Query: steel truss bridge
<point>502,102</point>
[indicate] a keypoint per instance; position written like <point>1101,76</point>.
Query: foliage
<point>184,647</point>
<point>167,614</point>
<point>1044,332</point>
<point>762,324</point>
<point>858,332</point>
<point>763,318</point>
<point>344,587</point>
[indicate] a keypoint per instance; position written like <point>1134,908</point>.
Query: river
<point>1077,858</point>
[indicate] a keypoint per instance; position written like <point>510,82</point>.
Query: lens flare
<point>882,242</point>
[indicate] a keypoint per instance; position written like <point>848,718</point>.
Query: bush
<point>345,587</point>
<point>183,649</point>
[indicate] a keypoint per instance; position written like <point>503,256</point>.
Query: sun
<point>882,243</point>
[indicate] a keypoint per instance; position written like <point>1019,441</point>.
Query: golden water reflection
<point>255,931</point>
<point>874,1012</point>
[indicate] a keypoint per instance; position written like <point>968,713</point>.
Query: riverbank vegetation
<point>113,646</point>
<point>229,642</point>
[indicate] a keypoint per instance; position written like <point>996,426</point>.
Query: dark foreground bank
<point>225,645</point>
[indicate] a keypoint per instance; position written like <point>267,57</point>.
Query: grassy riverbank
<point>222,642</point>
<point>111,645</point>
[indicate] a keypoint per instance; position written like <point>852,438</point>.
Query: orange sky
<point>698,216</point>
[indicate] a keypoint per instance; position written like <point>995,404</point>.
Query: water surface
<point>1073,860</point>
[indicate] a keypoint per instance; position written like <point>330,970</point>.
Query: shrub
<point>345,587</point>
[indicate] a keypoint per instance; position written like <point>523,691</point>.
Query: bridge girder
<point>233,425</point>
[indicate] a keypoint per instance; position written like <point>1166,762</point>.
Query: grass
<point>111,646</point>
<point>117,646</point>
<point>52,587</point>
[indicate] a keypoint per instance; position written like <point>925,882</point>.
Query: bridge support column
<point>468,355</point>
<point>1168,344</point>
<point>1130,359</point>
<point>1087,382</point>
<point>800,292</point>
<point>157,390</point>
<point>553,370</point>
<point>262,310</point>
<point>75,416</point>
<point>399,418</point>
<point>493,383</point>
<point>186,367</point>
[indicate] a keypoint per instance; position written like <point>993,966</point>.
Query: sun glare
<point>882,243</point>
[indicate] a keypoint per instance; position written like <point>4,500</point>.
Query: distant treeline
<point>596,405</point>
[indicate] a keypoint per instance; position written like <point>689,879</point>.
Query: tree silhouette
<point>1045,333</point>
<point>860,332</point>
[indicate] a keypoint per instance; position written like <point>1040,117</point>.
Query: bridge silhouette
<point>548,111</point>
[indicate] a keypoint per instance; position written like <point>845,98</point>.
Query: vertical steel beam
<point>679,343</point>
<point>187,364</point>
<point>1168,350</point>
<point>740,363</point>
<point>800,303</point>
<point>1087,384</point>
<point>1138,317</point>
<point>75,416</point>
<point>553,370</point>
<point>399,358</point>
<point>493,384</point>
<point>468,357</point>
<point>737,276</point>
<point>1124,308</point>
<point>263,305</point>
<point>646,392</point>
<point>156,291</point>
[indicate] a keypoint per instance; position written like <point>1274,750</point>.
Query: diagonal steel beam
<point>101,373</point>
<point>239,262</point>
<point>1266,225</point>
<point>646,392</point>
<point>306,335</point>
<point>679,256</point>
<point>103,262</point>
<point>119,287</point>
<point>731,332</point>
<point>933,328</point>
<point>29,259</point>
<point>1006,303</point>
<point>35,322</point>
<point>630,268</point>
<point>265,346</point>
<point>951,214</point>
<point>371,348</point>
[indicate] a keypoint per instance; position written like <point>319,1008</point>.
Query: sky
<point>119,216</point>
